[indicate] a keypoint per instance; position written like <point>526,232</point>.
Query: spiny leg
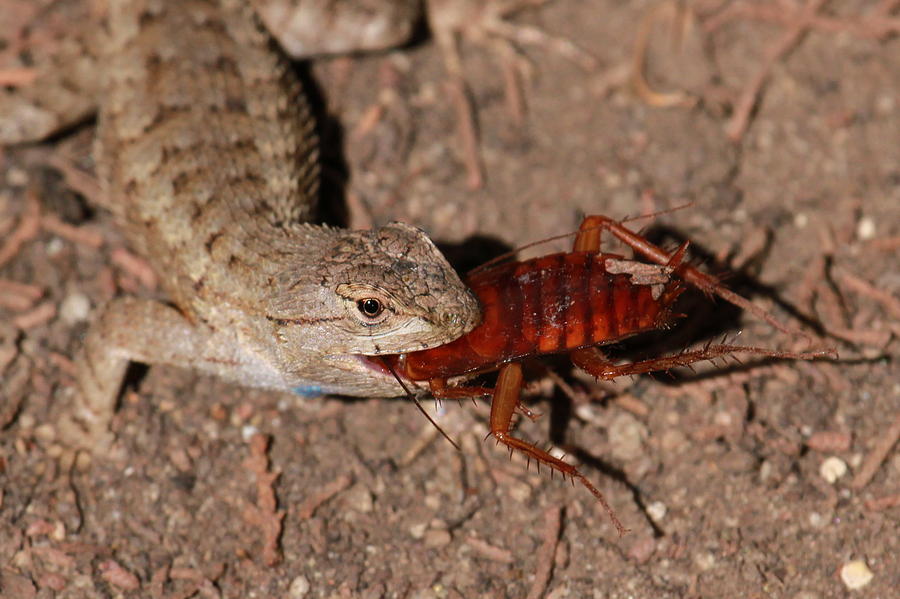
<point>594,362</point>
<point>440,390</point>
<point>588,239</point>
<point>503,404</point>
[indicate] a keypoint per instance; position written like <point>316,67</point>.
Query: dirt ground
<point>779,479</point>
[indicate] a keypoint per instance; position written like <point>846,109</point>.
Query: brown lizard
<point>207,154</point>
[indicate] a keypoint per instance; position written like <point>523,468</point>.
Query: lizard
<point>207,154</point>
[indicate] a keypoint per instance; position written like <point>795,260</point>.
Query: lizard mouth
<point>390,365</point>
<point>374,363</point>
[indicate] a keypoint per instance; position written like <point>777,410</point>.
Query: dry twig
<point>80,235</point>
<point>883,503</point>
<point>878,25</point>
<point>18,297</point>
<point>27,229</point>
<point>491,552</point>
<point>878,454</point>
<point>547,551</point>
<point>737,126</point>
<point>265,514</point>
<point>17,76</point>
<point>306,509</point>
<point>857,285</point>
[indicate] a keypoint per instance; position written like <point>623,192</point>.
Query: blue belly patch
<point>308,391</point>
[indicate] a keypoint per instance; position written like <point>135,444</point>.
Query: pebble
<point>865,229</point>
<point>657,511</point>
<point>673,441</point>
<point>248,431</point>
<point>417,531</point>
<point>705,561</point>
<point>75,308</point>
<point>299,588</point>
<point>45,433</point>
<point>16,177</point>
<point>856,574</point>
<point>642,549</point>
<point>832,468</point>
<point>626,437</point>
<point>436,538</point>
<point>359,498</point>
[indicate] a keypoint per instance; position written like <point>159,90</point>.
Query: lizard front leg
<point>128,330</point>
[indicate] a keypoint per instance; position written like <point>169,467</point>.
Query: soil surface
<point>777,479</point>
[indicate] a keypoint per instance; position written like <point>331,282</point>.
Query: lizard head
<point>385,291</point>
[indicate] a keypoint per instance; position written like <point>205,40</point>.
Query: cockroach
<point>570,303</point>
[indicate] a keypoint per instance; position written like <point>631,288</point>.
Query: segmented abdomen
<point>550,304</point>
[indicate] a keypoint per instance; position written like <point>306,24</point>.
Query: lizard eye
<point>370,307</point>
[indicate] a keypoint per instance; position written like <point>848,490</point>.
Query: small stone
<point>46,433</point>
<point>705,561</point>
<point>417,531</point>
<point>626,437</point>
<point>723,418</point>
<point>856,574</point>
<point>54,246</point>
<point>59,531</point>
<point>247,431</point>
<point>865,229</point>
<point>673,441</point>
<point>766,470</point>
<point>83,461</point>
<point>657,511</point>
<point>299,588</point>
<point>75,308</point>
<point>519,491</point>
<point>435,539</point>
<point>27,422</point>
<point>432,502</point>
<point>832,468</point>
<point>642,549</point>
<point>816,520</point>
<point>885,104</point>
<point>16,177</point>
<point>359,498</point>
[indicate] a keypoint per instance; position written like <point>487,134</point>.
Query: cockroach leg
<point>504,403</point>
<point>588,239</point>
<point>594,362</point>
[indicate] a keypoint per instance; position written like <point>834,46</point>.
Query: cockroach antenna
<point>419,405</point>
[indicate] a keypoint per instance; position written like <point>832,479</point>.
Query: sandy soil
<point>731,480</point>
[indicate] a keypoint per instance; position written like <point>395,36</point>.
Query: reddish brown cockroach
<point>570,303</point>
